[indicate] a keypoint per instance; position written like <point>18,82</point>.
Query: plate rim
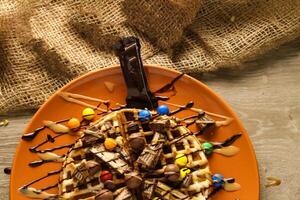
<point>150,67</point>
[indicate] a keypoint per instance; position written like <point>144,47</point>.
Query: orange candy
<point>110,143</point>
<point>73,123</point>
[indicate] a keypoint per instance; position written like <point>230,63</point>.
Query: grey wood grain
<point>266,95</point>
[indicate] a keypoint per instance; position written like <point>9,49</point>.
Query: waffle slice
<point>77,179</point>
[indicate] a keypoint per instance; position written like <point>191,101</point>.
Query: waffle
<point>143,150</point>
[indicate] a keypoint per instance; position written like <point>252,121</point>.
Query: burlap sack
<point>45,44</point>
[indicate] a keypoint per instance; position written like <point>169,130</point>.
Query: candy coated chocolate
<point>109,184</point>
<point>208,148</point>
<point>137,141</point>
<point>105,176</point>
<point>181,160</point>
<point>171,172</point>
<point>163,110</point>
<point>133,180</point>
<point>88,113</point>
<point>110,144</point>
<point>144,115</point>
<point>218,180</point>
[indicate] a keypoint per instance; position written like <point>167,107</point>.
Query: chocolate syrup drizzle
<point>228,142</point>
<point>187,106</point>
<point>46,176</point>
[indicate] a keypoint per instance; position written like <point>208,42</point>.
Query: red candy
<point>105,176</point>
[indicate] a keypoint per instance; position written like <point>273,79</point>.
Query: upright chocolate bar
<point>138,94</point>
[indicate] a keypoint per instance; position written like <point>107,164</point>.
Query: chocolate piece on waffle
<point>205,123</point>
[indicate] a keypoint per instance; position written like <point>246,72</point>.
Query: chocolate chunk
<point>133,180</point>
<point>69,188</point>
<point>81,173</point>
<point>205,123</point>
<point>160,125</point>
<point>132,127</point>
<point>150,156</point>
<point>112,133</point>
<point>104,194</point>
<point>89,140</point>
<point>187,181</point>
<point>129,116</point>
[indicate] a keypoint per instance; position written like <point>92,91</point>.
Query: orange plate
<point>243,166</point>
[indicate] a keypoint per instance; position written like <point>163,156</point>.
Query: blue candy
<point>144,115</point>
<point>163,110</point>
<point>218,180</point>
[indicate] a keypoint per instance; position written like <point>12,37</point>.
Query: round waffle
<point>165,137</point>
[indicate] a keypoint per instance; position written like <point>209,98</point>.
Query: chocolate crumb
<point>7,170</point>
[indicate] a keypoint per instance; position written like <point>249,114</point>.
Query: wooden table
<point>265,94</point>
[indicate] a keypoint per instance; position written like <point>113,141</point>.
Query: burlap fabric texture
<point>44,44</point>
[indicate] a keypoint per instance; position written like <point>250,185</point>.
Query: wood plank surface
<point>265,93</point>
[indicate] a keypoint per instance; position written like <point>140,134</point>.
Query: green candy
<point>208,148</point>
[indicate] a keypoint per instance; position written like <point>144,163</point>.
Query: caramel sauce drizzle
<point>72,97</point>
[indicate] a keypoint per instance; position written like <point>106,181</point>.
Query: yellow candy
<point>110,143</point>
<point>73,123</point>
<point>183,173</point>
<point>181,160</point>
<point>156,198</point>
<point>88,113</point>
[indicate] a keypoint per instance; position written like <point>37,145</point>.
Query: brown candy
<point>172,172</point>
<point>133,180</point>
<point>104,194</point>
<point>109,184</point>
<point>137,141</point>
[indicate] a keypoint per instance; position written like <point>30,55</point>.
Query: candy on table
<point>73,123</point>
<point>110,144</point>
<point>181,160</point>
<point>163,110</point>
<point>88,113</point>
